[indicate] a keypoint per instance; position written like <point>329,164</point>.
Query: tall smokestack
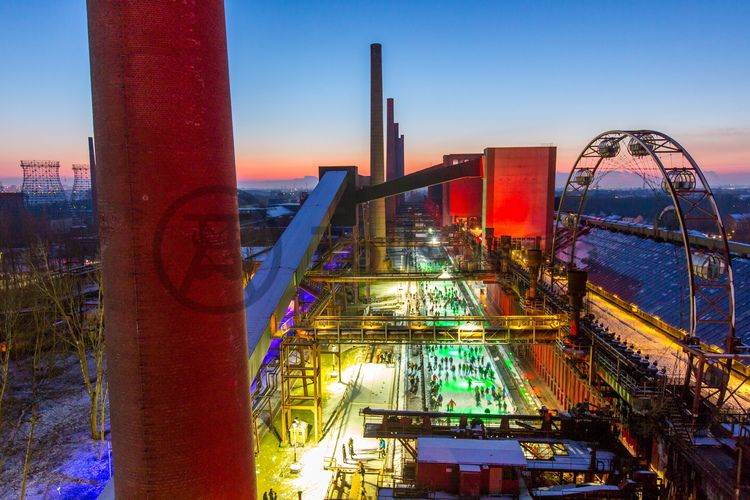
<point>170,247</point>
<point>399,154</point>
<point>390,138</point>
<point>92,176</point>
<point>377,167</point>
<point>400,161</point>
<point>391,133</point>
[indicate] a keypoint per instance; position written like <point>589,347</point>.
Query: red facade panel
<point>466,198</point>
<point>438,477</point>
<point>461,198</point>
<point>503,300</point>
<point>453,478</point>
<point>520,191</point>
<point>470,484</point>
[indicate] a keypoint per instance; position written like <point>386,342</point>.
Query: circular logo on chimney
<point>198,253</point>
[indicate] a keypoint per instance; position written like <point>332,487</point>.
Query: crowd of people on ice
<point>469,365</point>
<point>413,372</point>
<point>438,367</point>
<point>436,300</point>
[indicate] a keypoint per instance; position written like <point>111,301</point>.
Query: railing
<point>410,424</point>
<point>346,276</point>
<point>417,329</point>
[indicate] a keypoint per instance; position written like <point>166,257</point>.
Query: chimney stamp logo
<point>216,259</point>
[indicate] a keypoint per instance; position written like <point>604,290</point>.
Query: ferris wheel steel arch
<point>693,201</point>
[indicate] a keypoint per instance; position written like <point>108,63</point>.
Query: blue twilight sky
<point>465,75</point>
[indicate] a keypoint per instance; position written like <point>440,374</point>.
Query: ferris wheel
<point>683,194</point>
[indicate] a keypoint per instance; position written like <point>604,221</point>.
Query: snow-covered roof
<point>278,211</point>
<point>651,275</point>
<point>470,452</point>
<point>562,490</point>
<point>577,457</point>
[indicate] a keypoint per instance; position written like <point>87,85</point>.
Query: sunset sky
<point>465,75</point>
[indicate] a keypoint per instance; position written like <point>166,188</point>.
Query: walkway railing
<point>417,329</point>
<point>346,277</point>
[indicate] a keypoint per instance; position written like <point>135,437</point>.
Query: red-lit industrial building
<point>462,199</point>
<point>519,192</point>
<point>514,196</point>
<point>469,467</point>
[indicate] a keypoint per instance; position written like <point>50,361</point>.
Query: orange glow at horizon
<point>269,167</point>
<point>720,156</point>
<point>278,168</point>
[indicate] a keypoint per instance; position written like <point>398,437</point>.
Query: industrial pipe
<point>577,279</point>
<point>534,261</point>
<point>506,252</point>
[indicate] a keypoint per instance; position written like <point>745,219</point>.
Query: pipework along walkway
<point>434,329</point>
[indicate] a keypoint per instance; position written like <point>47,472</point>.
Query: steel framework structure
<point>41,183</point>
<point>80,196</point>
<point>664,165</point>
<point>420,329</point>
<point>300,364</point>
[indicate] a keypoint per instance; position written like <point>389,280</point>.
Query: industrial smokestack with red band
<point>167,200</point>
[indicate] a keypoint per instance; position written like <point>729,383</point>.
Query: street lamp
<point>295,422</point>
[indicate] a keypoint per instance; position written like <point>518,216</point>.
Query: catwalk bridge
<point>434,329</point>
<point>478,275</point>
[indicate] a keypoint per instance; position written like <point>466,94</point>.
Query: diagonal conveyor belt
<point>273,286</point>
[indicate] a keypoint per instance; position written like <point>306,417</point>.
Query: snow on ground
<point>274,464</point>
<point>651,341</point>
<point>65,461</point>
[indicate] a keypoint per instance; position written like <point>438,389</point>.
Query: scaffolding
<point>80,196</point>
<point>41,185</point>
<point>300,383</point>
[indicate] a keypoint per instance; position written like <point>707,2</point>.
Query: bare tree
<point>80,324</point>
<point>36,377</point>
<point>43,361</point>
<point>11,305</point>
<point>9,314</point>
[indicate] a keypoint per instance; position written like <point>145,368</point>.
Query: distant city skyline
<point>464,77</point>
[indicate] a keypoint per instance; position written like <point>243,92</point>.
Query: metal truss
<point>301,388</point>
<point>419,329</point>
